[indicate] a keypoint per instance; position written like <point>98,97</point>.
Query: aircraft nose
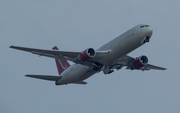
<point>149,31</point>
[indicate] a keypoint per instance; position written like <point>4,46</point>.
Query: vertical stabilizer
<point>61,64</point>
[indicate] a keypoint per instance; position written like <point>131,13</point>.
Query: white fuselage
<point>118,47</point>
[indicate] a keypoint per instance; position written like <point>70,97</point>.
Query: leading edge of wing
<point>45,77</point>
<point>54,52</point>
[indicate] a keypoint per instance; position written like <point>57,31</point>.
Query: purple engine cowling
<point>87,54</point>
<point>140,62</point>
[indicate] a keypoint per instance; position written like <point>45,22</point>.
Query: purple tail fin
<point>61,64</point>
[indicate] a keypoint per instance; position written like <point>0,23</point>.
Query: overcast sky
<point>74,25</point>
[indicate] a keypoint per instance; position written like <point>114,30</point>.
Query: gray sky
<point>75,25</point>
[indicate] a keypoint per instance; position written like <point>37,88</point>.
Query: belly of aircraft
<point>77,73</point>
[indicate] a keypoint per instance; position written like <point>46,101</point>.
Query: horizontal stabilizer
<point>81,82</point>
<point>45,77</point>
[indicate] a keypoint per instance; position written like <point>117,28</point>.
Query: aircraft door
<point>132,31</point>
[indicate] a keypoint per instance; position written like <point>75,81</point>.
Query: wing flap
<point>154,67</point>
<point>45,77</point>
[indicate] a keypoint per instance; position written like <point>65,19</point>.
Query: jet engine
<point>140,62</point>
<point>87,54</point>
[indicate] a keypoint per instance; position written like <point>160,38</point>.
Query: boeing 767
<point>111,56</point>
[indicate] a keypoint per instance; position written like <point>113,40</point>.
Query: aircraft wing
<point>149,66</point>
<point>50,53</point>
<point>73,56</point>
<point>128,61</point>
<point>66,55</point>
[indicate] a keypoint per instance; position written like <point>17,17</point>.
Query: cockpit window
<point>144,26</point>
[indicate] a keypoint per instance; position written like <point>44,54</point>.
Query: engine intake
<point>87,54</point>
<point>140,62</point>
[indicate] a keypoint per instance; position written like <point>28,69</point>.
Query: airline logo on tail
<point>61,64</point>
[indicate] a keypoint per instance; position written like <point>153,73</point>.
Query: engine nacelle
<point>140,62</point>
<point>87,54</point>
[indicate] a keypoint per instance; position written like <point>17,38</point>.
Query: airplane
<point>111,56</point>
